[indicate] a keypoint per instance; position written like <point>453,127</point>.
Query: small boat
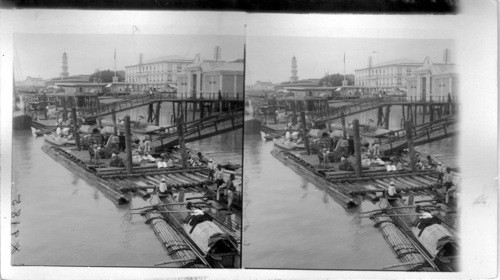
<point>36,132</point>
<point>231,166</point>
<point>266,136</point>
<point>58,140</point>
<point>285,144</point>
<point>218,247</point>
<point>436,241</point>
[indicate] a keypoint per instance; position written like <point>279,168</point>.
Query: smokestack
<point>140,58</point>
<point>369,62</point>
<point>217,53</point>
<point>446,56</point>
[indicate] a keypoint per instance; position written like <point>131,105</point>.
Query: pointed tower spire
<point>294,77</point>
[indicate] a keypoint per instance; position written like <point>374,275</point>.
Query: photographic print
<point>351,154</point>
<point>127,150</point>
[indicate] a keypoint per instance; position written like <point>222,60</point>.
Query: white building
<point>205,79</point>
<point>156,73</point>
<point>432,81</point>
<point>386,76</point>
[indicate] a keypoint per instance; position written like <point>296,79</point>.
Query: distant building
<point>262,86</point>
<point>432,81</point>
<point>69,79</point>
<point>156,73</point>
<point>31,82</point>
<point>205,79</point>
<point>81,88</point>
<point>298,83</point>
<point>385,76</point>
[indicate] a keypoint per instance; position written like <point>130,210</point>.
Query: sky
<point>269,57</point>
<point>40,55</point>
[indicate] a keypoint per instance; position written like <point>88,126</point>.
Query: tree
<point>335,80</point>
<point>106,76</point>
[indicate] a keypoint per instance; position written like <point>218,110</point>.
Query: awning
<point>402,89</point>
<point>338,89</point>
<point>108,85</point>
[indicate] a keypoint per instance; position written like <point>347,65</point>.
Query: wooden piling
<point>294,112</point>
<point>98,112</point>
<point>423,113</point>
<point>185,111</point>
<point>380,116</point>
<point>128,145</point>
<point>304,132</point>
<point>357,147</point>
<point>182,144</point>
<point>342,119</point>
<point>65,109</point>
<point>411,148</point>
<point>387,115</point>
<point>76,135</point>
<point>150,113</point>
<point>157,113</point>
<point>113,117</point>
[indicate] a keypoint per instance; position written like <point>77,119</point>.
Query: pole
<point>294,112</point>
<point>342,119</point>
<point>75,125</point>
<point>357,147</point>
<point>98,112</point>
<point>113,116</point>
<point>304,132</point>
<point>182,144</point>
<point>157,113</point>
<point>128,145</point>
<point>65,109</point>
<point>411,148</point>
<point>387,114</point>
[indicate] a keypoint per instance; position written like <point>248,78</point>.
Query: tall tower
<point>294,77</point>
<point>64,73</point>
<point>217,53</point>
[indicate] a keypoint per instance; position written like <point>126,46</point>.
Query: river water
<point>292,223</point>
<point>65,221</point>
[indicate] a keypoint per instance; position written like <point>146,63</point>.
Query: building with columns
<point>432,82</point>
<point>156,73</point>
<point>205,79</point>
<point>385,76</point>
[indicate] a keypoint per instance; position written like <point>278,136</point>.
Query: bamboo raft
<point>174,243</point>
<point>352,190</point>
<point>429,248</point>
<point>404,248</point>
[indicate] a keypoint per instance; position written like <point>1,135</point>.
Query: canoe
<point>218,247</point>
<point>56,140</point>
<point>287,145</point>
<point>437,242</point>
<point>266,136</point>
<point>36,132</point>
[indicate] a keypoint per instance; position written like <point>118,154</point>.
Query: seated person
<point>116,161</point>
<point>390,167</point>
<point>426,219</point>
<point>345,165</point>
<point>392,194</point>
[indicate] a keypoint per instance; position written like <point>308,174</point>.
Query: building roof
<point>214,66</point>
<point>397,62</point>
<point>168,58</point>
<point>437,69</point>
